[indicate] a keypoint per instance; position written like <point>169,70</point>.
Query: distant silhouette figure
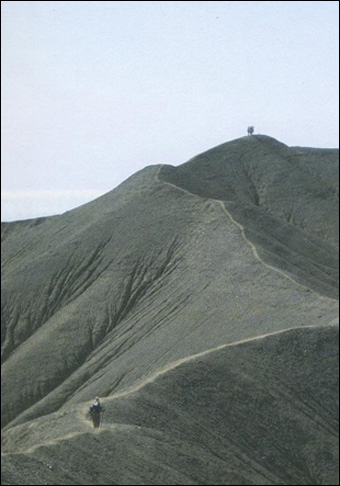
<point>250,130</point>
<point>95,411</point>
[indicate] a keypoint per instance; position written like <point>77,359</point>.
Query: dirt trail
<point>187,359</point>
<point>81,411</point>
<point>242,230</point>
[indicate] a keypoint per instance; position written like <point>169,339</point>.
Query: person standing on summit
<point>250,130</point>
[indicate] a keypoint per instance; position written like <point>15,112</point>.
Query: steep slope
<point>236,243</point>
<point>260,412</point>
<point>98,297</point>
<point>286,199</point>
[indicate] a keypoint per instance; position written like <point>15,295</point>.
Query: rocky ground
<point>200,302</point>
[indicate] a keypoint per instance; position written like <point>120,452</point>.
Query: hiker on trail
<point>95,411</point>
<point>250,130</point>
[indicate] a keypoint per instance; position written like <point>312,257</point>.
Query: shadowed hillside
<point>285,198</point>
<point>261,412</point>
<point>239,242</point>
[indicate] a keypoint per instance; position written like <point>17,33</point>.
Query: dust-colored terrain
<point>200,302</point>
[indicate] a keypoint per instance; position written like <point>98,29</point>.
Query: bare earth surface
<point>200,302</point>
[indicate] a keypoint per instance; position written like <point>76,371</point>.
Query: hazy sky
<point>93,91</point>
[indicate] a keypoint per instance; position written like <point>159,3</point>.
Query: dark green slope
<point>159,269</point>
<point>237,243</point>
<point>287,199</point>
<point>261,412</point>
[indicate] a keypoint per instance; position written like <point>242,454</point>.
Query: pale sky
<point>93,91</point>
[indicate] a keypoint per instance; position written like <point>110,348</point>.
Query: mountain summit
<point>199,302</point>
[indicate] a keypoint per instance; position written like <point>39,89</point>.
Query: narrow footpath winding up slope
<point>285,199</point>
<point>260,412</point>
<point>238,243</point>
